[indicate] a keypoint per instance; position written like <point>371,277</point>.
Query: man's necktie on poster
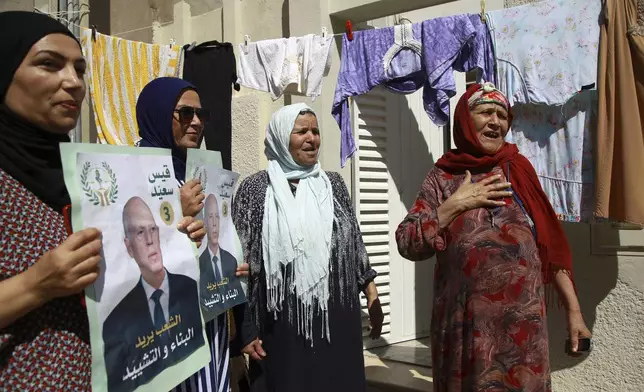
<point>217,274</point>
<point>159,318</point>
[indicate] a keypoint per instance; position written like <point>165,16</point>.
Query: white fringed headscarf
<point>296,230</point>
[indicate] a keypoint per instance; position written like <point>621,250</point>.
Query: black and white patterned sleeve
<point>247,213</point>
<point>365,274</point>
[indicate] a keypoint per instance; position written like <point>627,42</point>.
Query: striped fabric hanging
<point>118,70</point>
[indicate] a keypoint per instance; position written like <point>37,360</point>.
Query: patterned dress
<point>293,364</point>
<point>47,349</point>
<point>489,329</point>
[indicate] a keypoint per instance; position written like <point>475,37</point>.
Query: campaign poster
<point>146,327</point>
<point>220,253</point>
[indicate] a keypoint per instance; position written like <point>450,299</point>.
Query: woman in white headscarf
<point>302,328</point>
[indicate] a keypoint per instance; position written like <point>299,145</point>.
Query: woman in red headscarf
<point>499,245</point>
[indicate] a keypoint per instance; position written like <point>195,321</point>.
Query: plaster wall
<point>16,5</point>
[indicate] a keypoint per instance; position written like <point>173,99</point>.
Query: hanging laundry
<point>118,70</point>
<point>210,66</point>
<point>392,57</point>
<point>546,51</point>
<point>293,66</point>
<point>620,127</point>
<point>558,141</point>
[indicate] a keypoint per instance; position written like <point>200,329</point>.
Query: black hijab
<point>27,153</point>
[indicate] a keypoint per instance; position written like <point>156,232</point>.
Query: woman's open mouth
<point>492,134</point>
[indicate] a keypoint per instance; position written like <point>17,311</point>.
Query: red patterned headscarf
<point>554,250</point>
<point>487,93</point>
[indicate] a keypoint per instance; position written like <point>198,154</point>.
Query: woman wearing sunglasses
<point>169,115</point>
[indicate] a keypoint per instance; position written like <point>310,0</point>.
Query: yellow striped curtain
<point>118,71</point>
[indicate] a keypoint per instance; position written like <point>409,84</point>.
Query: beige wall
<point>611,292</point>
<point>28,5</point>
<point>610,282</point>
<point>16,5</point>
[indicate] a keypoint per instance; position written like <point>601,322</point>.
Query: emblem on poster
<point>99,184</point>
<point>201,174</point>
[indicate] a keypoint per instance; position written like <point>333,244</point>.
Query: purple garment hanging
<point>454,43</point>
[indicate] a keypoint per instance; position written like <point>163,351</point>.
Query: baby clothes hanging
<point>118,69</point>
<point>293,65</point>
<point>393,57</point>
<point>546,51</point>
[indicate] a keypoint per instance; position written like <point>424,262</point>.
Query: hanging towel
<point>293,66</point>
<point>546,51</point>
<point>210,66</point>
<point>117,72</point>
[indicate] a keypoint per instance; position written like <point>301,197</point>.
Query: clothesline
<point>57,15</point>
<point>324,34</point>
<point>142,28</point>
<point>61,12</point>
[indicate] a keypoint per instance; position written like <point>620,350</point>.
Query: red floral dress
<point>489,329</point>
<point>47,349</point>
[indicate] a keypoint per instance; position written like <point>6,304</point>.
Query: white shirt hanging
<point>294,66</point>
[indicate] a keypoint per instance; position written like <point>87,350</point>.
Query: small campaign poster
<point>220,254</point>
<point>146,327</point>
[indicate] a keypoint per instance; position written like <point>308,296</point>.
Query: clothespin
<point>172,42</point>
<point>246,42</point>
<point>93,32</point>
<point>324,32</point>
<point>192,45</point>
<point>483,11</point>
<point>349,30</point>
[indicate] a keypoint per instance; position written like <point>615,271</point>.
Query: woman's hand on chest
<point>487,192</point>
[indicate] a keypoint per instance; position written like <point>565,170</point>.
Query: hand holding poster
<point>219,289</point>
<point>146,327</point>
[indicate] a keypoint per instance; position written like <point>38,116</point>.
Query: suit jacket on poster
<point>228,269</point>
<point>130,321</point>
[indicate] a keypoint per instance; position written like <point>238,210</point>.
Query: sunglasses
<point>187,113</point>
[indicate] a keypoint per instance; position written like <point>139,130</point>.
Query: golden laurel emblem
<point>99,184</point>
<point>224,209</point>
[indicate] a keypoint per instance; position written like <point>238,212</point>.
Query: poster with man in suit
<point>156,305</point>
<point>146,327</point>
<point>219,288</point>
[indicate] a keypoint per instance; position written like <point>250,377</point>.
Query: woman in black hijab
<point>44,333</point>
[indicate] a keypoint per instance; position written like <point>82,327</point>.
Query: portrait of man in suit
<point>139,323</point>
<point>217,266</point>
